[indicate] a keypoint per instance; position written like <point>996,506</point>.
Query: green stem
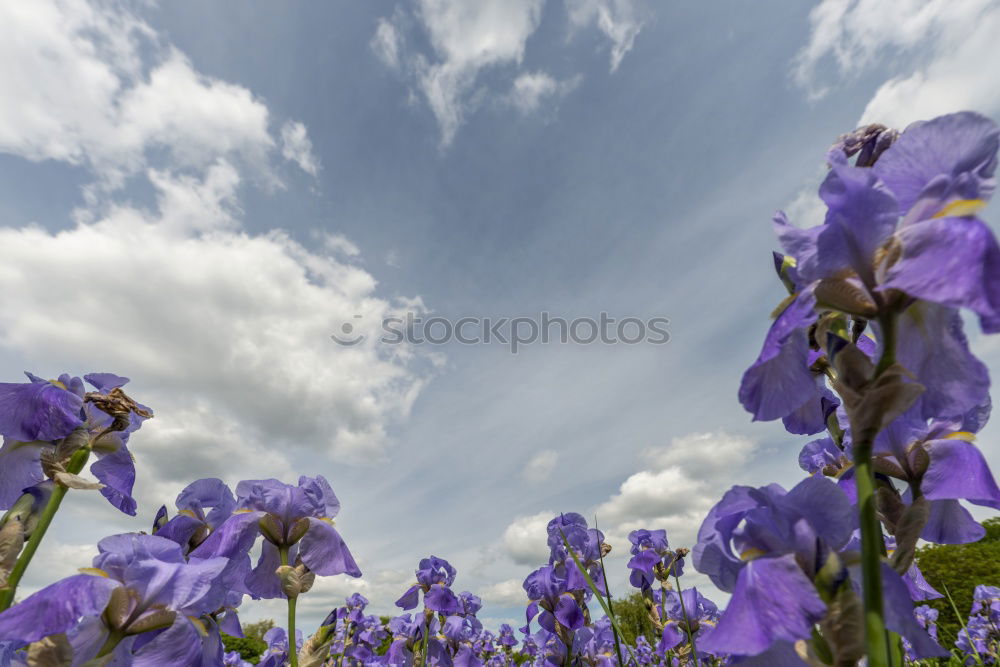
<point>872,540</point>
<point>427,632</point>
<point>604,575</point>
<point>293,647</point>
<point>687,623</point>
<point>7,593</point>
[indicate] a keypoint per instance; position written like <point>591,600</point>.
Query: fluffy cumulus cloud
<point>679,482</point>
<point>524,540</point>
<point>86,95</point>
<point>226,333</point>
<point>938,53</point>
<point>467,38</point>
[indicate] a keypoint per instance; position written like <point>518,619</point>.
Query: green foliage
<point>250,648</point>
<point>634,619</point>
<point>252,644</point>
<point>960,568</point>
<point>258,629</point>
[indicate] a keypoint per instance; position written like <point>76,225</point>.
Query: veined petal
<point>38,411</point>
<point>56,608</point>
<point>324,551</point>
<point>958,470</point>
<point>954,262</point>
<point>773,601</point>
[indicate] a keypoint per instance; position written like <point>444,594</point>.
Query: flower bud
<point>298,530</point>
<point>271,528</point>
<point>162,618</point>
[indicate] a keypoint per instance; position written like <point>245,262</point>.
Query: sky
<point>197,195</point>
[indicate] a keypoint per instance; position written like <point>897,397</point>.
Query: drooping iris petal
<point>179,644</point>
<point>440,598</point>
<point>899,615</point>
<point>116,471</point>
<point>958,470</point>
<point>961,147</point>
<point>410,598</point>
<point>779,381</point>
<point>954,262</point>
<point>56,608</point>
<point>712,555</point>
<point>810,417</point>
<point>38,411</point>
<point>932,346</point>
<point>568,613</point>
<point>21,466</point>
<point>950,523</point>
<point>324,551</point>
<point>772,601</point>
<point>262,582</point>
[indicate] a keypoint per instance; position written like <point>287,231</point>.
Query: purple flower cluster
<point>868,347</point>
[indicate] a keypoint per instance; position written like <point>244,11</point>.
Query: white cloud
<point>682,481</point>
<point>530,89</point>
<point>85,95</point>
<point>938,54</point>
<point>541,465</point>
<point>619,20</point>
<point>296,147</point>
<point>524,540</point>
<point>509,592</point>
<point>387,42</point>
<point>226,333</point>
<point>468,38</point>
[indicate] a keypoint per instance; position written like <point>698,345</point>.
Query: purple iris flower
<point>935,176</point>
<point>690,610</point>
<point>434,578</point>
<point>938,460</point>
<point>548,592</point>
<point>585,543</point>
<point>652,558</point>
<point>507,638</point>
<point>296,518</point>
<point>276,653</point>
<point>768,547</point>
<point>35,416</point>
<point>143,594</point>
<point>203,506</point>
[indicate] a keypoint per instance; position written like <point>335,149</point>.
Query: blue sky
<point>196,195</point>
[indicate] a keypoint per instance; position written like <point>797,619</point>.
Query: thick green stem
<point>687,623</point>
<point>7,593</point>
<point>871,557</point>
<point>293,647</point>
<point>872,540</point>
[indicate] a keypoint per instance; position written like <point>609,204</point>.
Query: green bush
<point>959,568</point>
<point>250,648</point>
